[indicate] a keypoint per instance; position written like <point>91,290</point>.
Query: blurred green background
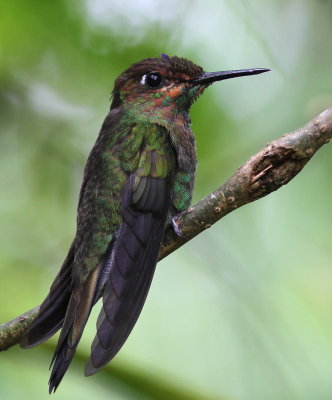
<point>242,312</point>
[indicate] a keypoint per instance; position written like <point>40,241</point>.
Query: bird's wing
<point>129,241</point>
<point>130,267</point>
<point>53,309</point>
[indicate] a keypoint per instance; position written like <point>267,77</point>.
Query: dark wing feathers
<point>123,279</point>
<point>115,324</point>
<point>134,259</point>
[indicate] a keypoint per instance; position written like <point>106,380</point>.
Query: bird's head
<point>166,84</point>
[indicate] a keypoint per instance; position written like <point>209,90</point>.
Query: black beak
<point>209,77</point>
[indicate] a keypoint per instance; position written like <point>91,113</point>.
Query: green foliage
<point>244,310</point>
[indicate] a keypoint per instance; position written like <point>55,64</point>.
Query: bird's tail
<point>79,308</point>
<point>67,306</point>
<point>53,309</point>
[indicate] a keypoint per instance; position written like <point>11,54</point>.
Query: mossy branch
<point>274,166</point>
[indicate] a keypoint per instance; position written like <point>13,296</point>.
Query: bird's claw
<point>176,228</point>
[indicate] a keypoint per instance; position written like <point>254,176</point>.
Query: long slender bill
<point>209,77</point>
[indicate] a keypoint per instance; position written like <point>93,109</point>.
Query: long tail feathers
<point>65,307</point>
<point>53,309</point>
<point>78,312</point>
<point>123,280</point>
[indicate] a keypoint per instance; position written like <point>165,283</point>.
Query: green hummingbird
<point>139,176</point>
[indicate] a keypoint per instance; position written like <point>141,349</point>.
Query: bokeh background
<point>242,312</point>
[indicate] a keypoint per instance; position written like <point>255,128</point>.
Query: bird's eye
<point>153,79</point>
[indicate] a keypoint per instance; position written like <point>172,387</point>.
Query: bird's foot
<point>176,228</point>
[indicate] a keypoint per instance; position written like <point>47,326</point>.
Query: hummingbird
<point>138,178</point>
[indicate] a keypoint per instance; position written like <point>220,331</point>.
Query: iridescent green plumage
<point>139,175</point>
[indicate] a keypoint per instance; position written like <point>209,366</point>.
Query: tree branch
<point>274,166</point>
